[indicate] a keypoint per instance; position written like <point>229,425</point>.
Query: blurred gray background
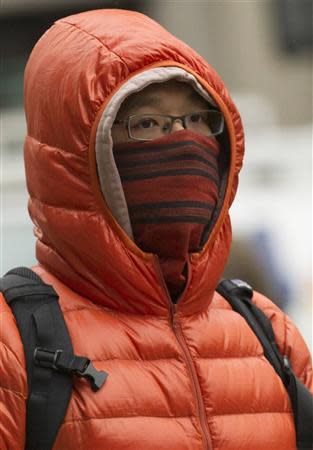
<point>263,51</point>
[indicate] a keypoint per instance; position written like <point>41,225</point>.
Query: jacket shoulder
<point>13,381</point>
<point>288,338</point>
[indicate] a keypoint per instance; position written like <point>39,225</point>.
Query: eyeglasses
<point>146,127</point>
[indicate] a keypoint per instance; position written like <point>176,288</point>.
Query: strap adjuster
<point>66,362</point>
<point>46,358</point>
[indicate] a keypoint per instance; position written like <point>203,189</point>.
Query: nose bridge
<point>178,124</point>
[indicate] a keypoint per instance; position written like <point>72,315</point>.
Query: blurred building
<point>263,52</point>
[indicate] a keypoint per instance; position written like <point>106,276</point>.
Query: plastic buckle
<point>96,377</point>
<point>47,358</point>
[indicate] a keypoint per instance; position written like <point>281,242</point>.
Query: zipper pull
<point>174,316</point>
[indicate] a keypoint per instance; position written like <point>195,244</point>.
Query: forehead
<point>158,95</point>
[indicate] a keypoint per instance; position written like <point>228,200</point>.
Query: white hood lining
<point>110,181</point>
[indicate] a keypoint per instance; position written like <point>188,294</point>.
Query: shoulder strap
<point>239,295</point>
<point>50,361</point>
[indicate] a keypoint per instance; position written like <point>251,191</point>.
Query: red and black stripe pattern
<point>171,187</point>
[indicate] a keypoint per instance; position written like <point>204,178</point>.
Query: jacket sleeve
<point>289,340</point>
<point>13,382</point>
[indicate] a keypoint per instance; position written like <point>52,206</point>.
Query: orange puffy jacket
<point>187,376</point>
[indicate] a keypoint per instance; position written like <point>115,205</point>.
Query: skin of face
<point>173,98</point>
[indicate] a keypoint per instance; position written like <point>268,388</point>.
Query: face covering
<point>171,187</point>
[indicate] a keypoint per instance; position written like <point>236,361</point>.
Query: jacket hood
<point>75,80</point>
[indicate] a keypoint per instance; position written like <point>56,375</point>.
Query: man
<point>132,156</point>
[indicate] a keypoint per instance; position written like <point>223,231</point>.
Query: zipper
<point>207,442</point>
<point>206,438</point>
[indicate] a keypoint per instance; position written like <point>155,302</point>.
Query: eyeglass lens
<point>153,126</point>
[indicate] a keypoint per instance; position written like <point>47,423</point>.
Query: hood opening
<point>108,174</point>
<point>110,180</point>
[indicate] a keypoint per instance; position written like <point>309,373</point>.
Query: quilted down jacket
<point>188,376</point>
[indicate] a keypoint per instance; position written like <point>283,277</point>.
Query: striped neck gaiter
<point>171,187</point>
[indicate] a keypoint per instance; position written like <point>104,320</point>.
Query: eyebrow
<point>153,100</point>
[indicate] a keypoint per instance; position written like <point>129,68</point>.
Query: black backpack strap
<point>50,361</point>
<point>239,295</point>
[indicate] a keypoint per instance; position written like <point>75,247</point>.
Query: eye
<point>146,123</point>
<point>196,118</point>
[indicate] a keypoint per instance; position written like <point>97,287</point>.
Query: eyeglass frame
<point>182,118</point>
